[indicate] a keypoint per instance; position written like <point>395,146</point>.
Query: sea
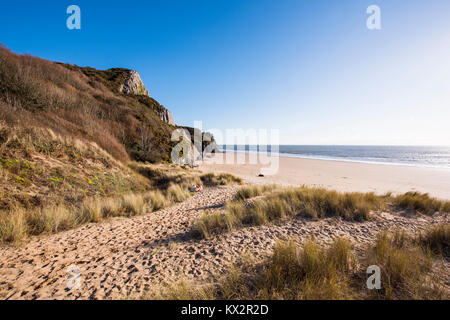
<point>419,156</point>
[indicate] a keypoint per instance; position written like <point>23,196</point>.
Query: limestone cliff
<point>133,84</point>
<point>166,116</point>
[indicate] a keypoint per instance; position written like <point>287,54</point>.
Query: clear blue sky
<point>309,68</point>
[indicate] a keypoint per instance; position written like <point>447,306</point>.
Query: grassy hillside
<point>73,149</point>
<point>83,103</point>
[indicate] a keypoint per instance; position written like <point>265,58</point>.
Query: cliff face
<point>133,84</point>
<point>166,116</point>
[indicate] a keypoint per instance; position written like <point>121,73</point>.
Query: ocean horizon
<point>417,156</point>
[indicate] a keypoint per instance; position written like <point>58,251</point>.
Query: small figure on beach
<point>196,188</point>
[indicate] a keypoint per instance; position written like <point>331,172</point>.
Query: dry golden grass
<point>436,239</point>
<point>177,193</point>
<point>92,210</point>
<point>17,224</point>
<point>132,204</point>
<point>211,179</point>
<point>50,220</point>
<point>282,203</point>
<point>273,203</point>
<point>253,191</point>
<point>165,176</point>
<point>156,200</point>
<point>404,266</point>
<point>13,226</point>
<point>307,272</point>
<point>211,223</point>
<point>312,272</point>
<point>421,202</point>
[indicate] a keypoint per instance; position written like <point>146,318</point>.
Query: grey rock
<point>166,116</point>
<point>134,85</point>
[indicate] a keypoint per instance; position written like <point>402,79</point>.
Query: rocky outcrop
<point>166,116</point>
<point>133,85</point>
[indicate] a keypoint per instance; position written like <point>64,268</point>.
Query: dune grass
<point>211,223</point>
<point>211,179</point>
<point>308,272</point>
<point>436,239</point>
<point>420,202</point>
<point>253,191</point>
<point>282,203</point>
<point>259,205</point>
<point>404,265</point>
<point>176,193</point>
<point>18,223</point>
<point>313,272</point>
<point>164,176</point>
<point>13,226</point>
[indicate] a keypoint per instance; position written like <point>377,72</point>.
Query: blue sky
<point>308,68</point>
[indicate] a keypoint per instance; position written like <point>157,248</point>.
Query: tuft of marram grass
<point>110,207</point>
<point>211,179</point>
<point>209,224</point>
<point>132,204</point>
<point>421,202</point>
<point>156,200</point>
<point>177,194</point>
<point>403,266</point>
<point>436,239</point>
<point>92,210</point>
<point>50,220</point>
<point>253,191</point>
<point>13,226</point>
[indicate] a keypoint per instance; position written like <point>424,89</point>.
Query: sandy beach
<point>125,257</point>
<point>341,176</point>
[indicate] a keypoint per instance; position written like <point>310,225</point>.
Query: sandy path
<point>124,256</point>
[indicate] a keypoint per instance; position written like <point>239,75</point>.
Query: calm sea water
<point>437,157</point>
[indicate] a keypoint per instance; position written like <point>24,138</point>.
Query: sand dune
<point>123,257</point>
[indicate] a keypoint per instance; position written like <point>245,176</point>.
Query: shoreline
<point>295,156</point>
<point>344,176</point>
